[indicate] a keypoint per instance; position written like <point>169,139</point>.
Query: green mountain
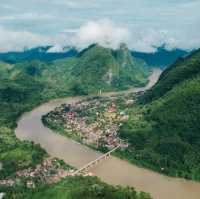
<point>162,57</point>
<point>4,69</point>
<point>183,69</point>
<point>95,68</point>
<point>164,130</point>
<point>25,85</point>
<point>40,53</point>
<point>102,68</point>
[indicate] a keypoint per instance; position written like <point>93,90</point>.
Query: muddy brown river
<point>113,170</point>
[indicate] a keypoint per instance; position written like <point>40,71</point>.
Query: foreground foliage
<point>78,187</point>
<point>16,97</point>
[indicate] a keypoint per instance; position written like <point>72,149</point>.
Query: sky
<point>142,24</point>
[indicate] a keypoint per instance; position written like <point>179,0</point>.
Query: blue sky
<point>142,24</point>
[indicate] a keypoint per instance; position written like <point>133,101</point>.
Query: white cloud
<point>55,49</point>
<point>70,31</point>
<point>86,4</point>
<point>17,40</point>
<point>26,16</point>
<point>183,43</point>
<point>108,34</point>
<point>146,24</point>
<point>103,32</point>
<point>146,40</point>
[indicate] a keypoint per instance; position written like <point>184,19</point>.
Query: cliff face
<point>103,68</point>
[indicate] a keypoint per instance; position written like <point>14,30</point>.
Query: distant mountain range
<point>39,53</point>
<point>93,69</point>
<point>161,58</point>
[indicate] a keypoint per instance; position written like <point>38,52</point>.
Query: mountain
<point>93,69</point>
<point>25,85</point>
<point>39,53</point>
<point>183,69</point>
<point>166,135</point>
<point>4,69</point>
<point>101,68</point>
<point>162,57</point>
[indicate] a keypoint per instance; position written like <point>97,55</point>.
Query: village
<point>94,121</point>
<point>49,171</point>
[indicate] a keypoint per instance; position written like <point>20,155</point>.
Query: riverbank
<point>113,170</point>
<point>21,156</point>
<point>101,123</point>
<point>94,122</point>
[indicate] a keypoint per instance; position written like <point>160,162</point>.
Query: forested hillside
<point>162,57</point>
<point>101,68</point>
<point>164,129</point>
<point>23,86</point>
<point>79,187</point>
<point>39,53</point>
<point>181,70</point>
<point>95,68</point>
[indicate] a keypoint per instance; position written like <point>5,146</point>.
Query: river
<point>113,170</point>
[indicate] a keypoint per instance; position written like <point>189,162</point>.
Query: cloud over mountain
<point>103,32</point>
<point>16,40</point>
<point>143,24</point>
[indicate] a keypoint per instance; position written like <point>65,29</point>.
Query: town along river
<point>113,170</point>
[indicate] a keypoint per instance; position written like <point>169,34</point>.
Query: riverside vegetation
<point>79,187</point>
<point>162,127</point>
<point>163,130</point>
<point>27,84</point>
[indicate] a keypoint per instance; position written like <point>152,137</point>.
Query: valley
<point>125,114</point>
<point>99,99</point>
<point>25,85</point>
<point>114,170</point>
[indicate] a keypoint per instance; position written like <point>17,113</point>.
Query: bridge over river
<point>95,162</point>
<point>113,170</point>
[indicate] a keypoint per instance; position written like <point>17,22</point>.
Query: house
<point>112,109</point>
<point>2,195</point>
<point>124,118</point>
<point>129,102</point>
<point>30,184</point>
